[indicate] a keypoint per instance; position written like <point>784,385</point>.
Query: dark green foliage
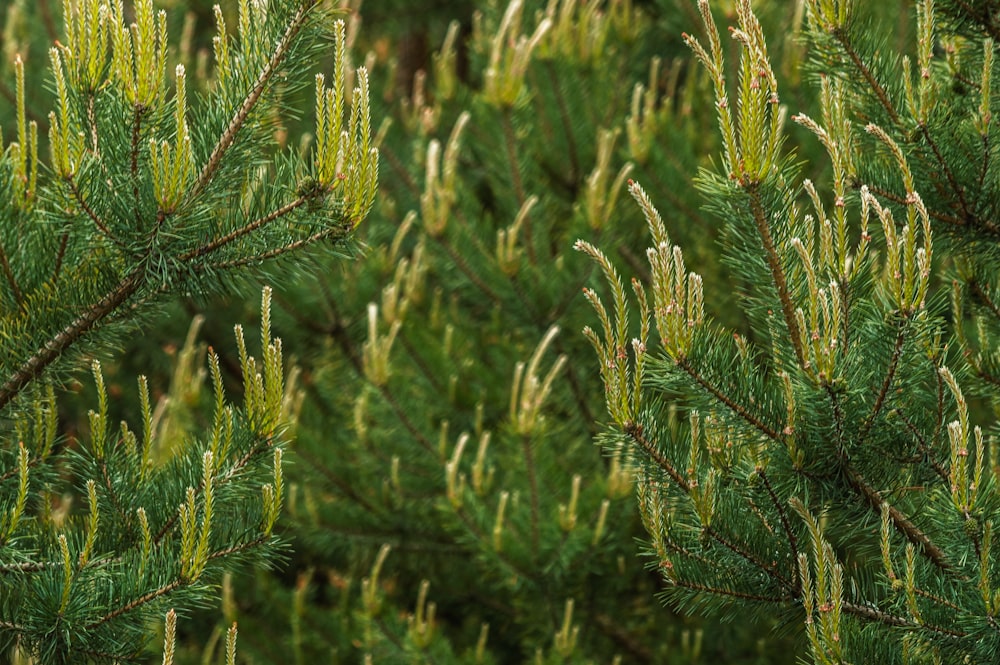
<point>104,526</point>
<point>824,466</point>
<point>459,461</point>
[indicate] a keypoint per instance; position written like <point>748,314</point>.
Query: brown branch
<point>979,292</point>
<point>736,408</point>
<point>221,479</point>
<point>31,368</point>
<point>976,12</point>
<point>220,242</point>
<point>274,253</point>
<point>883,97</point>
<point>60,253</point>
<point>564,118</point>
<point>890,375</point>
<point>937,599</point>
<point>50,24</point>
<point>510,143</point>
<point>29,566</point>
<point>896,198</point>
<point>617,633</point>
<point>902,524</point>
<point>793,542</point>
<point>11,280</point>
<point>777,272</point>
<point>138,602</point>
<point>463,265</point>
<point>694,586</point>
<point>875,501</point>
<point>242,113</point>
<point>952,182</point>
<point>924,447</point>
<point>772,571</point>
<point>137,113</point>
<point>984,169</point>
<point>94,217</point>
<point>635,432</point>
<point>529,466</point>
<point>175,584</point>
<point>339,334</point>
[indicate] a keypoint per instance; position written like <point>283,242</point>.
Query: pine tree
<point>468,446</point>
<point>150,192</point>
<point>825,465</point>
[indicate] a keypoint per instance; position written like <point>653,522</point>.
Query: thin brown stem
<point>635,432</point>
<point>463,265</point>
<point>564,118</point>
<point>890,375</point>
<point>60,253</point>
<point>615,630</point>
<point>925,449</point>
<point>985,21</point>
<point>276,252</point>
<point>793,542</point>
<point>249,102</point>
<point>735,407</point>
<point>138,602</point>
<point>874,499</point>
<point>94,217</point>
<point>901,200</point>
<point>137,114</point>
<point>31,368</point>
<point>901,523</point>
<point>236,234</point>
<point>11,280</point>
<point>773,259</point>
<point>883,97</point>
<point>771,571</point>
<point>957,189</point>
<point>720,591</point>
<point>47,20</point>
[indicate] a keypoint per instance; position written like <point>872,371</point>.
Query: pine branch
<point>875,501</point>
<point>890,375</point>
<point>901,200</point>
<point>793,543</point>
<point>635,432</point>
<point>32,368</point>
<point>250,227</point>
<point>843,38</point>
<point>137,603</point>
<point>732,593</point>
<point>733,406</point>
<point>281,50</point>
<point>510,144</point>
<point>11,280</point>
<point>956,189</point>
<point>529,467</point>
<point>94,217</point>
<point>909,530</point>
<point>777,272</point>
<point>925,449</point>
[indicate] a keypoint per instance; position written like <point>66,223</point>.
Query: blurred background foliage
<point>447,500</point>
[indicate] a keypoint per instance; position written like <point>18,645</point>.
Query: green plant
<point>468,445</point>
<point>147,196</point>
<point>823,466</point>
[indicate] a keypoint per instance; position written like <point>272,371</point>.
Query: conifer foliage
<point>148,192</point>
<point>461,513</point>
<point>825,466</point>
